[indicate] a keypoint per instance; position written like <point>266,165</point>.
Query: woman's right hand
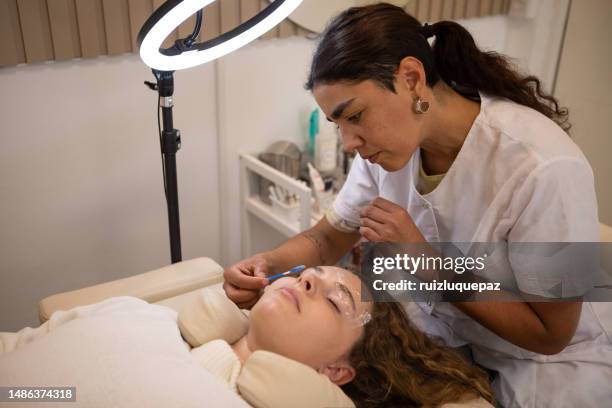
<point>244,280</point>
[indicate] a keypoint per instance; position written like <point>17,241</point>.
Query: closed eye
<point>334,305</point>
<point>355,118</point>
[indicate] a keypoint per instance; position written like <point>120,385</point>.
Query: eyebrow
<point>342,287</point>
<point>340,109</point>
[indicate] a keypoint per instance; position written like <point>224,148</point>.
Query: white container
<point>326,148</point>
<point>290,213</point>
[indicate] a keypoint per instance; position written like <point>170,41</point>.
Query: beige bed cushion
<point>211,316</point>
<point>269,380</point>
<point>167,282</point>
<point>179,301</point>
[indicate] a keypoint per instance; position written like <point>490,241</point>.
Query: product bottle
<point>318,187</point>
<point>313,131</point>
<point>326,147</point>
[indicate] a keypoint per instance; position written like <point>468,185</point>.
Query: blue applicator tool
<point>294,270</point>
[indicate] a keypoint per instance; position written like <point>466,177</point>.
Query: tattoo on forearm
<point>316,241</point>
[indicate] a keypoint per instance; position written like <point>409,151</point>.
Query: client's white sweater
<point>122,352</point>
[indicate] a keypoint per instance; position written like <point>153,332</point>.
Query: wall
<point>81,182</point>
<point>583,85</point>
<point>261,100</point>
<point>534,37</point>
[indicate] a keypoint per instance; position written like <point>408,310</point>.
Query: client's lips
<point>291,294</point>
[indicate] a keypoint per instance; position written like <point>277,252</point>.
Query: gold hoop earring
<point>420,106</point>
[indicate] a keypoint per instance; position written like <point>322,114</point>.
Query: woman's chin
<point>392,164</point>
<point>389,166</point>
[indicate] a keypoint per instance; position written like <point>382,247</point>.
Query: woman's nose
<point>350,140</point>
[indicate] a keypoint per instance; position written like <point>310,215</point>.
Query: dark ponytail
<point>368,43</point>
<point>458,60</point>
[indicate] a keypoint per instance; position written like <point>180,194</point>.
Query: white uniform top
<point>517,178</point>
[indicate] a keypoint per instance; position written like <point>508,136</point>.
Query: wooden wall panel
<point>435,10</point>
<point>496,7</point>
<point>11,41</point>
<point>64,29</point>
<point>459,9</point>
<point>169,42</point>
<point>117,25</point>
<point>90,19</point>
<point>41,30</point>
<point>422,10</point>
<point>286,29</point>
<point>273,33</point>
<point>212,21</point>
<point>411,7</point>
<point>248,9</point>
<point>485,7</point>
<point>447,10</point>
<point>505,6</point>
<point>230,14</point>
<point>302,32</point>
<point>35,28</point>
<point>471,9</point>
<point>139,11</point>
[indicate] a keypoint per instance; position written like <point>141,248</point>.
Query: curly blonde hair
<point>399,366</point>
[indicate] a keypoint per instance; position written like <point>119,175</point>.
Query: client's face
<point>314,319</point>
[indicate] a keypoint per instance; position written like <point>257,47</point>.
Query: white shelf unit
<point>251,169</point>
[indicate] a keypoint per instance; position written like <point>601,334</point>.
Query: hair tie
<point>428,30</point>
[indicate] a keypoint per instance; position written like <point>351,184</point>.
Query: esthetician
<point>454,145</point>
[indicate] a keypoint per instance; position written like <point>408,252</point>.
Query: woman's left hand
<point>385,221</point>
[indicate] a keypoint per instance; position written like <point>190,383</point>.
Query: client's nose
<point>308,283</point>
